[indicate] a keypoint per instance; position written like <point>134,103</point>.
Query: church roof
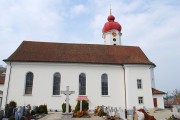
<point>30,51</point>
<point>156,92</point>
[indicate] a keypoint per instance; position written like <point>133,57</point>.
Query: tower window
<point>139,83</point>
<point>114,44</point>
<point>114,39</point>
<point>140,100</point>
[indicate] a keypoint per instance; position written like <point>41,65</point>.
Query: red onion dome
<point>111,24</point>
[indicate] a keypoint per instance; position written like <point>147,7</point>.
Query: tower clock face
<point>114,34</point>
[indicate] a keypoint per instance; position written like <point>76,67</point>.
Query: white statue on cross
<point>67,93</point>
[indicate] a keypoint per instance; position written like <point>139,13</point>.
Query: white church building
<point>111,74</point>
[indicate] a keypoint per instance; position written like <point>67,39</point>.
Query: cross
<point>67,93</point>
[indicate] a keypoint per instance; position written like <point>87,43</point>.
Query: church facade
<point>111,74</point>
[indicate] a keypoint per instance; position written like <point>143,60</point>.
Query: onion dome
<point>111,24</point>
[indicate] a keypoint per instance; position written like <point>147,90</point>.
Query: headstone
<point>140,115</point>
<point>122,113</point>
<point>67,93</point>
<point>115,111</point>
<point>1,114</point>
<point>134,108</point>
<point>81,105</point>
<point>176,113</point>
<point>16,116</point>
<point>112,111</point>
<point>20,111</point>
<point>10,112</point>
<point>104,108</point>
<point>108,111</point>
<point>130,114</point>
<point>144,107</point>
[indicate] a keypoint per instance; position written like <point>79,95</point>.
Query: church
<point>111,74</point>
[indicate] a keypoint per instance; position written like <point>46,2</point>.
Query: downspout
<point>8,83</point>
<point>125,91</point>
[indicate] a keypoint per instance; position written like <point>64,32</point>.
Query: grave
<point>67,115</point>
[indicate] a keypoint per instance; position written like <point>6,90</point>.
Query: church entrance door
<point>155,102</point>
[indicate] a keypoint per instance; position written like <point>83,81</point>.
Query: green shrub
<point>42,109</point>
<point>11,118</point>
<point>64,107</point>
<point>12,104</point>
<point>23,118</point>
<point>36,109</point>
<point>77,108</point>
<point>33,112</point>
<point>85,106</point>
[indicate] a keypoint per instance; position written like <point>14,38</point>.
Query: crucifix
<point>67,93</point>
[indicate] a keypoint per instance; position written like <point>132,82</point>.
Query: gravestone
<point>140,115</point>
<point>122,113</point>
<point>115,111</point>
<point>16,115</point>
<point>104,109</point>
<point>67,115</point>
<point>112,111</point>
<point>108,110</point>
<point>176,113</point>
<point>130,114</point>
<point>1,114</point>
<point>20,111</point>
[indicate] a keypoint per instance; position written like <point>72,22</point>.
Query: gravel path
<point>58,115</point>
<point>162,114</point>
<point>159,115</point>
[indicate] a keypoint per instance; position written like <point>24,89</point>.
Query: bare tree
<point>176,94</point>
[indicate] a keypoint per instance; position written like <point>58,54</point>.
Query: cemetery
<point>12,112</point>
<point>81,110</point>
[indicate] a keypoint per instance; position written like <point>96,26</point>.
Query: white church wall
<point>152,77</point>
<point>43,84</point>
<point>134,72</point>
<point>160,101</point>
<point>5,85</point>
<point>1,87</point>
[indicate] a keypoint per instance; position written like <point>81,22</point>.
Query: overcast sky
<point>154,25</point>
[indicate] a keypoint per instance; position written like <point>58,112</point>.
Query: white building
<point>2,79</point>
<point>111,74</point>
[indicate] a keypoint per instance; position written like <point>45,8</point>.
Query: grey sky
<point>154,25</point>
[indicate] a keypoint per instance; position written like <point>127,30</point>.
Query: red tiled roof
<point>155,92</point>
<point>174,102</point>
<point>2,79</point>
<point>30,51</point>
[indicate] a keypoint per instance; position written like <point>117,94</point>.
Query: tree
<point>2,69</point>
<point>176,94</point>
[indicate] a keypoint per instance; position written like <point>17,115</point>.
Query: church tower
<point>112,31</point>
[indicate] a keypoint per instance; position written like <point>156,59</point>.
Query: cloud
<point>77,9</point>
<point>151,24</point>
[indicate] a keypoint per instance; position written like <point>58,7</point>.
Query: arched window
<point>82,84</point>
<point>29,83</point>
<point>56,83</point>
<point>104,84</point>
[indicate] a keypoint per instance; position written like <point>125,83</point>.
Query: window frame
<point>82,84</point>
<point>56,84</point>
<point>140,100</point>
<point>29,78</point>
<point>105,85</point>
<point>139,84</point>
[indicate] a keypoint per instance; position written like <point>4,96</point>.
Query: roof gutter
<point>8,83</point>
<point>125,86</point>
